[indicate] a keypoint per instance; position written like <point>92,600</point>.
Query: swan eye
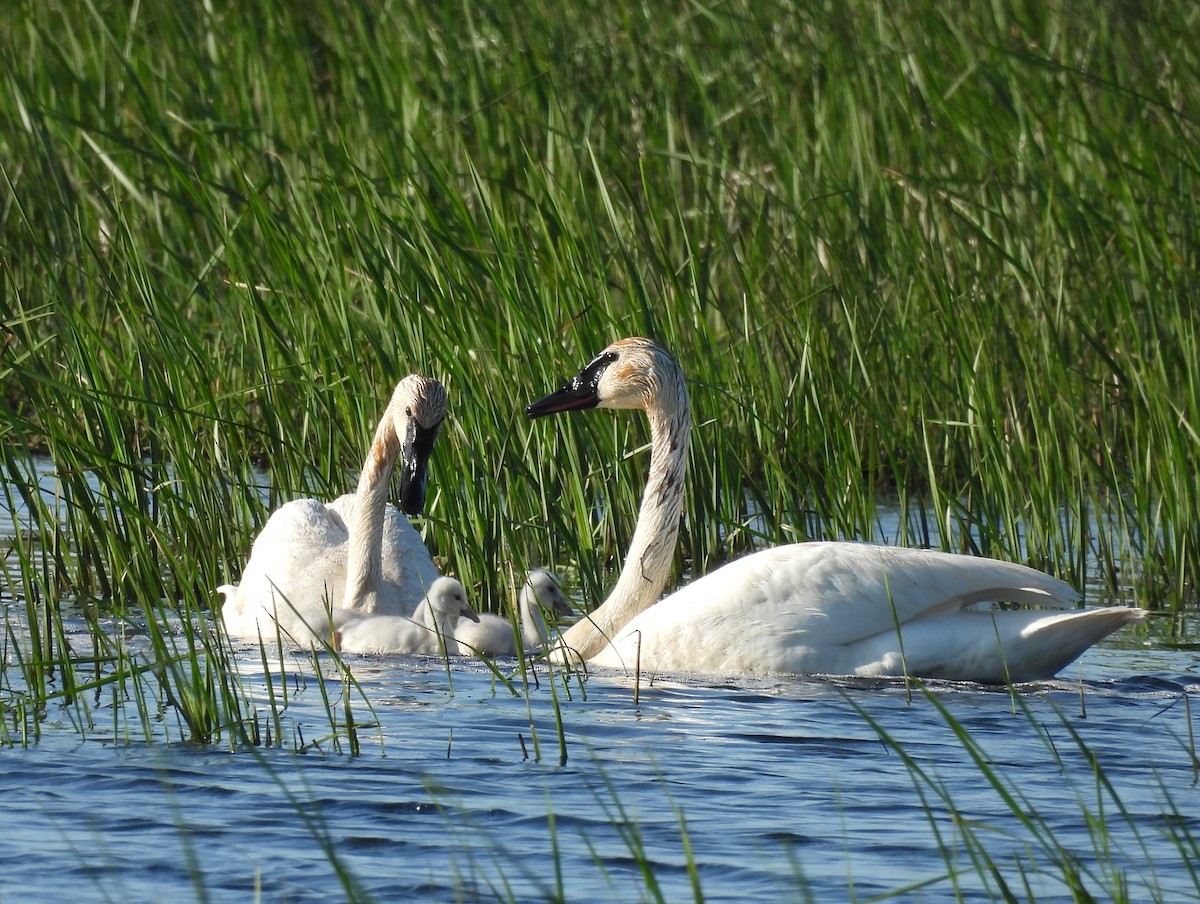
<point>602,360</point>
<point>590,375</point>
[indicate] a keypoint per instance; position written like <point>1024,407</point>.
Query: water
<point>782,786</point>
<point>779,789</point>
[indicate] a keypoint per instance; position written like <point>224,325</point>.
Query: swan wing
<point>839,593</point>
<point>297,568</point>
<point>803,607</point>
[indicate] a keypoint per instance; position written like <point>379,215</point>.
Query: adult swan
<point>808,608</point>
<point>356,554</point>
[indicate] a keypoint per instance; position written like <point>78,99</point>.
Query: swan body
<point>431,633</point>
<point>857,609</point>
<point>493,636</point>
<point>357,553</point>
<point>832,608</point>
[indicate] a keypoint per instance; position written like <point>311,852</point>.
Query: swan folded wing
<point>827,594</point>
<point>301,539</point>
<point>296,571</point>
<point>301,524</point>
<point>839,593</point>
<point>957,644</point>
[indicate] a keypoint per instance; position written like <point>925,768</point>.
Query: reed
<point>948,255</point>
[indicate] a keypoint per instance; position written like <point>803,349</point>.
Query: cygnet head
<point>630,373</point>
<point>448,601</point>
<point>418,408</point>
<point>546,592</point>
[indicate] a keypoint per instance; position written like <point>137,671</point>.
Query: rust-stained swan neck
<point>406,431</point>
<point>635,373</point>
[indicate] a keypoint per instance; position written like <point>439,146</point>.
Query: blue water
<point>782,787</point>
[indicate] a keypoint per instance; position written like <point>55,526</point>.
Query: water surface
<point>766,790</point>
<point>780,786</point>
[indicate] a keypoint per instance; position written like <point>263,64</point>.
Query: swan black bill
<point>414,468</point>
<point>577,394</point>
<point>569,398</point>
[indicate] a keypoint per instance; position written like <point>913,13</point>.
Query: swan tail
<point>1047,645</point>
<point>993,647</point>
<point>231,600</point>
<point>1084,628</point>
<point>238,621</point>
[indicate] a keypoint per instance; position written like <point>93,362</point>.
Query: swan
<point>493,636</point>
<point>358,553</point>
<point>835,608</point>
<point>430,634</point>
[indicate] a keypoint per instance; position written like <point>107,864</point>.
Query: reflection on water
<point>779,785</point>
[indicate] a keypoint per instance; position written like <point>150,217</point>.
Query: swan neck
<point>533,623</point>
<point>364,560</point>
<point>651,553</point>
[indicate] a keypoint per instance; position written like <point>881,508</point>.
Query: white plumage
<point>809,608</point>
<point>493,636</point>
<point>834,609</point>
<point>358,553</point>
<point>429,632</point>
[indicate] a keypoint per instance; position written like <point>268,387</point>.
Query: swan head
<point>627,374</point>
<point>418,409</point>
<point>448,599</point>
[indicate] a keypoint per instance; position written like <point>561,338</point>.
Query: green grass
<point>946,256</point>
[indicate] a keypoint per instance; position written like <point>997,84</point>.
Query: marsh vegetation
<point>934,262</point>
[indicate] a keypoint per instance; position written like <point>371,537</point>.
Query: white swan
<point>430,634</point>
<point>808,608</point>
<point>358,553</point>
<point>493,636</point>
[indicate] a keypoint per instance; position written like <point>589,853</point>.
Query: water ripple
<point>781,785</point>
